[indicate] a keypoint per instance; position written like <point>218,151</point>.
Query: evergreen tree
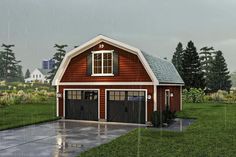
<point>20,75</point>
<point>58,57</point>
<point>219,78</point>
<point>192,72</point>
<point>177,59</point>
<point>206,57</point>
<point>10,64</point>
<point>27,73</point>
<point>1,67</point>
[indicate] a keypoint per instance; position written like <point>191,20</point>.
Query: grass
<point>212,135</point>
<point>25,114</point>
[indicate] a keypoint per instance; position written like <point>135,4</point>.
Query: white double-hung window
<point>102,63</point>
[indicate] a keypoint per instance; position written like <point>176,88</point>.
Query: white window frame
<point>102,52</point>
<point>167,90</point>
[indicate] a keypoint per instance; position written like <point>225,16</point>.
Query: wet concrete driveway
<point>58,138</point>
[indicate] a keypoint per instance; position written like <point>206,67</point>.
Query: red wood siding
<point>130,68</point>
<point>174,101</point>
<point>102,97</point>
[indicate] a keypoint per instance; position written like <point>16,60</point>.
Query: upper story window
<point>102,63</point>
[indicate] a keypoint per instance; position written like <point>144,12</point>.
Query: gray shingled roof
<point>164,70</point>
<point>44,71</point>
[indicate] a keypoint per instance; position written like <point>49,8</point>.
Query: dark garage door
<point>81,104</point>
<point>126,106</point>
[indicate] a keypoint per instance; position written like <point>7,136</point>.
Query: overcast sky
<point>155,26</point>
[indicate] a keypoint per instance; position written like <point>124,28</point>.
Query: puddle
<point>178,125</point>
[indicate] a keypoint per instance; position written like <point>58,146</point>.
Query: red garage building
<point>107,80</point>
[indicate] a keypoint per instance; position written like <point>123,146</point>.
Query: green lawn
<point>24,114</point>
<point>213,134</point>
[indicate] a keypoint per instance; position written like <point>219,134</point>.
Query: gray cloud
<point>152,25</point>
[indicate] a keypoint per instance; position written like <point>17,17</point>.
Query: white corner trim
<point>106,83</point>
<point>181,98</point>
<point>66,89</point>
<point>146,100</point>
<point>95,41</point>
<point>57,100</point>
<point>169,97</point>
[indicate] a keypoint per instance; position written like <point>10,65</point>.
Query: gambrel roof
<point>159,70</point>
<point>164,70</point>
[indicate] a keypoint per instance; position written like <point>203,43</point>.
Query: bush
<point>221,96</point>
<point>20,97</point>
<point>193,95</point>
<point>164,117</point>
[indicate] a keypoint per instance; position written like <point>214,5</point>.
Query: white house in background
<point>38,75</point>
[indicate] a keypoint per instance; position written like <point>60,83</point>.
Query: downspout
<point>155,97</point>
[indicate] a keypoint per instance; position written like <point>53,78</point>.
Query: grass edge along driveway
<point>14,116</point>
<point>213,134</point>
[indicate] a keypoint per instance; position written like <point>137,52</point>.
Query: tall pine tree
<point>206,57</point>
<point>177,59</point>
<point>58,57</point>
<point>219,74</point>
<point>192,71</point>
<point>10,64</point>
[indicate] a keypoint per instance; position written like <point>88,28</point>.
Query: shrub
<point>164,117</point>
<point>193,95</point>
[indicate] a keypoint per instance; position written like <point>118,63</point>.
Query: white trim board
<point>145,90</point>
<point>170,85</point>
<point>68,89</point>
<point>106,83</point>
<point>102,61</point>
<point>95,41</point>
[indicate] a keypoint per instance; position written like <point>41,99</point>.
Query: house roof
<point>164,70</point>
<point>44,71</point>
<point>159,70</point>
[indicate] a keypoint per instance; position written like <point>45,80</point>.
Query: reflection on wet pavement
<point>58,138</point>
<point>177,125</point>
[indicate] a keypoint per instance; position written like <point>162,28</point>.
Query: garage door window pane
<point>136,96</point>
<point>141,93</point>
<point>122,95</point>
<point>69,95</point>
<point>117,96</point>
<point>79,95</point>
<point>74,94</point>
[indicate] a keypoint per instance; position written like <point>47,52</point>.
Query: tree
<point>219,76</point>
<point>233,79</point>
<point>19,77</point>
<point>192,72</point>
<point>58,57</point>
<point>1,67</point>
<point>177,59</point>
<point>206,57</point>
<point>10,64</point>
<point>27,73</point>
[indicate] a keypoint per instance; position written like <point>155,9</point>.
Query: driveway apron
<point>58,138</point>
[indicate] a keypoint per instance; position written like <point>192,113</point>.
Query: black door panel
<point>81,105</point>
<point>128,107</point>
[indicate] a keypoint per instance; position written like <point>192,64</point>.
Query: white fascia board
<point>94,42</point>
